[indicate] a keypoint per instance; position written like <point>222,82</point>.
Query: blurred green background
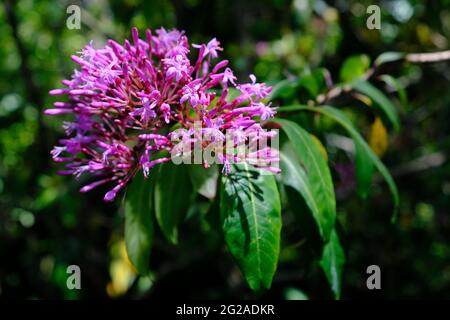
<point>46,224</point>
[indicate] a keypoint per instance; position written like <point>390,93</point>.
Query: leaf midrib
<point>254,220</point>
<point>317,169</point>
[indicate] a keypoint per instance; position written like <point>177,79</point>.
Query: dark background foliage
<point>46,225</point>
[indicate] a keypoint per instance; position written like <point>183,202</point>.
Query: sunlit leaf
<point>318,173</point>
<point>204,180</point>
<point>251,222</point>
<point>354,67</point>
<point>387,57</point>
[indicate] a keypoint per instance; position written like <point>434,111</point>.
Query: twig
<point>333,93</point>
<point>411,57</point>
<point>428,57</point>
<point>423,163</point>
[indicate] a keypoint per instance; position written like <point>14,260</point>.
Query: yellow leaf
<point>363,98</point>
<point>120,269</point>
<point>378,137</point>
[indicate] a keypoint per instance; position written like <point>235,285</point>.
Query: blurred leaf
<point>380,100</point>
<point>365,155</point>
<point>138,222</point>
<point>363,98</point>
<point>354,67</point>
<point>363,169</point>
<point>321,75</point>
<point>251,221</point>
<point>309,82</point>
<point>284,89</point>
<point>318,173</point>
<point>378,137</point>
<point>332,263</point>
<point>387,57</point>
<point>395,84</point>
<point>172,196</point>
<point>295,294</point>
<point>204,180</point>
<point>121,270</point>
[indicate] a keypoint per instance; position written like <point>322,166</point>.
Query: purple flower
<point>108,74</point>
<point>254,89</point>
<point>177,67</point>
<point>225,77</point>
<point>56,151</point>
<point>146,112</point>
<point>266,111</point>
<point>190,92</point>
<point>125,98</point>
<point>211,48</point>
<point>165,110</point>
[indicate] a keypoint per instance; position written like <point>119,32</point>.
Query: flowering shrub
<point>141,105</point>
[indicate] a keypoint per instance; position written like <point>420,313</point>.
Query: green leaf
<point>250,213</point>
<point>204,180</point>
<point>295,294</point>
<point>362,148</point>
<point>354,67</point>
<point>318,173</point>
<point>332,263</point>
<point>387,57</point>
<point>294,176</point>
<point>172,197</point>
<point>138,222</point>
<point>309,82</point>
<point>395,84</point>
<point>283,89</point>
<point>380,100</point>
<point>363,169</point>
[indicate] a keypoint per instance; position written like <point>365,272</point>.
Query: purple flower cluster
<point>125,98</point>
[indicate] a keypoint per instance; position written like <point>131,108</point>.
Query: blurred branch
<point>411,57</point>
<point>423,163</point>
<point>428,57</point>
<point>333,93</point>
